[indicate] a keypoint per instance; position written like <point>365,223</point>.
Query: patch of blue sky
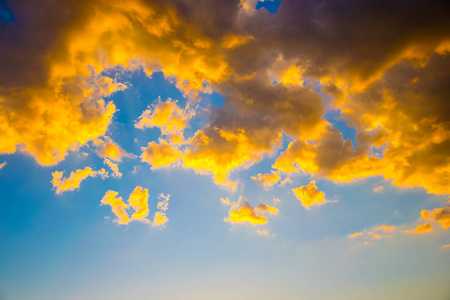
<point>271,5</point>
<point>6,15</point>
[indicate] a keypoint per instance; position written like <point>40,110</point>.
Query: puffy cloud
<point>245,214</point>
<point>167,116</point>
<point>310,195</point>
<point>61,184</point>
<point>420,229</point>
<point>440,215</point>
<point>138,200</point>
<point>160,155</point>
<point>108,149</point>
<point>114,168</point>
<point>159,219</point>
<point>242,212</point>
<point>267,180</point>
<point>117,205</point>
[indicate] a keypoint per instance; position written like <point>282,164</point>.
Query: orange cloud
<point>138,200</point>
<point>160,155</point>
<point>114,168</point>
<point>374,233</point>
<point>310,195</point>
<point>242,212</point>
<point>218,152</point>
<point>2,165</point>
<point>117,205</point>
<point>167,116</point>
<point>61,184</point>
<point>266,208</point>
<point>420,229</point>
<point>262,232</point>
<point>440,215</point>
<point>267,180</point>
<point>245,214</point>
<point>107,148</point>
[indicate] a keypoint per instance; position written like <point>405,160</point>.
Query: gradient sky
<point>206,149</point>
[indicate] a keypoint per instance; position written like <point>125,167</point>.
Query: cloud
<point>117,205</point>
<point>163,205</point>
<point>160,155</point>
<point>245,214</point>
<point>267,180</point>
<point>225,201</point>
<point>266,208</point>
<point>420,229</point>
<point>138,200</point>
<point>160,218</point>
<point>71,183</point>
<point>377,189</point>
<point>2,165</point>
<point>108,149</point>
<point>114,168</point>
<point>374,233</point>
<point>310,195</point>
<point>167,116</point>
<point>440,215</point>
<point>242,212</point>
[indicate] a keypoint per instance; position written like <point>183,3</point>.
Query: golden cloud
<point>420,229</point>
<point>108,149</point>
<point>117,205</point>
<point>267,180</point>
<point>310,195</point>
<point>242,212</point>
<point>61,184</point>
<point>167,116</point>
<point>160,155</point>
<point>440,215</point>
<point>114,168</point>
<point>138,200</point>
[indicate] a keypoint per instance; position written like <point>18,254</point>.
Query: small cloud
<point>262,232</point>
<point>276,200</point>
<point>441,215</point>
<point>356,234</point>
<point>378,189</point>
<point>310,195</point>
<point>2,165</point>
<point>160,218</point>
<point>160,155</point>
<point>242,212</point>
<point>446,246</point>
<point>421,229</point>
<point>225,201</point>
<point>114,168</point>
<point>267,180</point>
<point>107,148</point>
<point>61,184</point>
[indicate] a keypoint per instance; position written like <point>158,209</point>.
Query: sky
<point>204,149</point>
